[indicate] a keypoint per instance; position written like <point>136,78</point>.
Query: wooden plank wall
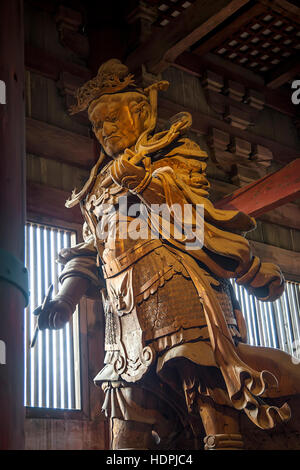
<point>50,179</point>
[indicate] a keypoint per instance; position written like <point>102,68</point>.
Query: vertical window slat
<point>257,338</point>
<point>291,295</point>
<point>27,330</point>
<point>272,324</point>
<point>34,352</point>
<point>69,350</point>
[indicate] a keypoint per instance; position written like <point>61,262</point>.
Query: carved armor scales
<point>150,302</point>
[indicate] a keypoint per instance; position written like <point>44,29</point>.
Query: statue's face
<point>118,121</point>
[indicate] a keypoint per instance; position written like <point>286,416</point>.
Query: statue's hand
<point>125,173</point>
<point>54,316</point>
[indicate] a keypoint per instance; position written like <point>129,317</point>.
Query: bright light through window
<point>273,324</point>
<point>52,367</point>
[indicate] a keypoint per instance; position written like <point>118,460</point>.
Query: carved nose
<point>108,129</point>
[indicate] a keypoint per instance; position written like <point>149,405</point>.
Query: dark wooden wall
<point>12,213</point>
<point>59,155</point>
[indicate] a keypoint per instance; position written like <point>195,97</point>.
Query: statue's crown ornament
<point>112,77</point>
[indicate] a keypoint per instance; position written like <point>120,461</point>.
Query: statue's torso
<point>152,304</point>
<point>111,206</point>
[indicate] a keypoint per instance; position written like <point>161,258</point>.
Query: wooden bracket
<point>68,23</point>
<point>239,159</point>
<point>234,103</point>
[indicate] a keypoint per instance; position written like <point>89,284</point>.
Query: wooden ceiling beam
<point>287,215</point>
<point>167,43</point>
<point>282,75</point>
<point>40,61</point>
<point>284,7</point>
<point>277,100</point>
<point>48,141</point>
<point>268,193</point>
<point>45,201</point>
<point>230,29</point>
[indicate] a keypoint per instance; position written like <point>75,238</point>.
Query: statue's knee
<point>126,435</point>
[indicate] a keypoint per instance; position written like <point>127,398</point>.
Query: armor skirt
<point>155,318</point>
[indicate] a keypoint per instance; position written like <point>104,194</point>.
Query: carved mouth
<point>111,137</point>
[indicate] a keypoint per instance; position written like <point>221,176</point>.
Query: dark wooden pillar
<point>12,214</point>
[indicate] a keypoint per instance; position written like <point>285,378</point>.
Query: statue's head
<point>120,112</point>
<point>118,120</point>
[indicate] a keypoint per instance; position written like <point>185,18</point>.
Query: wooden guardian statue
<point>175,338</point>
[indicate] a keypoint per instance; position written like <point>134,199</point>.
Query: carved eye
<point>97,126</point>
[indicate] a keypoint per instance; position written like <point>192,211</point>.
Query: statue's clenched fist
<point>125,173</point>
<point>56,314</point>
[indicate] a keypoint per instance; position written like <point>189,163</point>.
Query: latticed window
<point>273,324</point>
<point>52,367</point>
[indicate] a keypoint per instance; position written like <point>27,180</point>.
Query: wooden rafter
<point>46,140</point>
<point>268,193</point>
<point>165,44</point>
<point>167,13</point>
<point>264,42</point>
<point>234,26</point>
<point>281,75</point>
<point>284,7</point>
<point>46,201</point>
<point>37,60</point>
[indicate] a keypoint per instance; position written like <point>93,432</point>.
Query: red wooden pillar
<point>12,214</point>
